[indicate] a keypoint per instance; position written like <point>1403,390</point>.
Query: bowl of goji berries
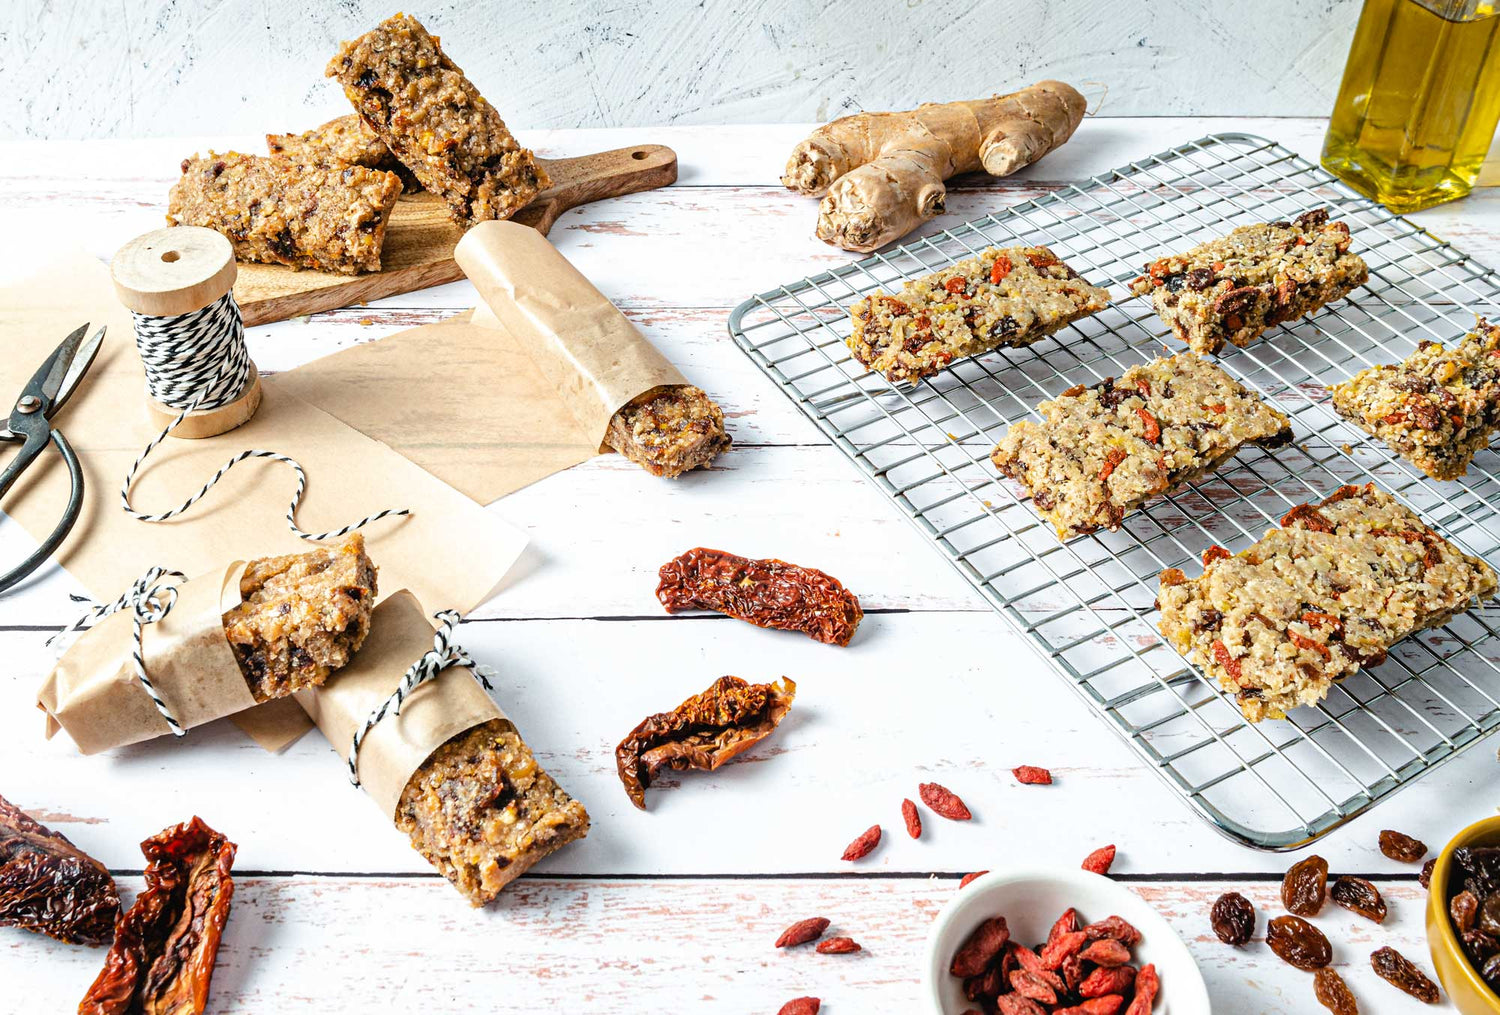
<point>1057,942</point>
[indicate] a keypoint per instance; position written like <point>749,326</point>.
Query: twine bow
<point>149,599</point>
<point>444,654</point>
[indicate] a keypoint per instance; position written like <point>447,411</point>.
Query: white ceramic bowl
<point>1031,901</point>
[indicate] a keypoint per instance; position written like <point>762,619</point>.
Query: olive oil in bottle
<point>1419,101</point>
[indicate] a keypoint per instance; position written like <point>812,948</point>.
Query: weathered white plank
<point>336,945</point>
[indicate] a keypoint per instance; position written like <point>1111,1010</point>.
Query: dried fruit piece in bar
<point>703,732</point>
<point>436,122</point>
<point>1103,451</point>
<point>301,616</point>
<point>766,593</point>
<point>669,432</point>
<point>162,959</point>
<point>50,886</point>
<point>1235,287</point>
<point>1437,408</point>
<point>328,218</point>
<point>345,140</point>
<point>1010,297</point>
<point>1311,602</point>
<point>482,811</point>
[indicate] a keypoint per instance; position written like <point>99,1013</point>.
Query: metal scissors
<point>30,426</point>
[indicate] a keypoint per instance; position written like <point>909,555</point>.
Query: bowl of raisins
<point>1463,918</point>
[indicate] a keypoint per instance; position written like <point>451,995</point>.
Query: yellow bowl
<point>1470,994</point>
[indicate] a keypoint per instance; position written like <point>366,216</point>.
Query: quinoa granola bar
<point>1103,451</point>
<point>1437,408</point>
<point>329,218</point>
<point>1233,288</point>
<point>345,140</point>
<point>301,617</point>
<point>1311,602</point>
<point>1004,297</point>
<point>670,431</point>
<point>482,811</point>
<point>436,122</point>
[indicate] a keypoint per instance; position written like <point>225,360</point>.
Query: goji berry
<point>1041,260</point>
<point>1104,981</point>
<point>1302,641</point>
<point>1214,553</point>
<point>964,883</point>
<point>980,947</point>
<point>943,801</point>
<point>838,946</point>
<point>861,846</point>
<point>1106,952</point>
<point>1000,269</point>
<point>1113,458</point>
<point>1062,947</point>
<point>955,284</point>
<point>1030,775</point>
<point>1218,407</point>
<point>1147,983</point>
<point>1066,924</point>
<point>1314,619</point>
<point>801,1006</point>
<point>1144,387</point>
<point>1015,1004</point>
<point>1114,927</point>
<point>1028,984</point>
<point>912,818</point>
<point>1152,427</point>
<point>1099,860</point>
<point>802,932</point>
<point>1107,1005</point>
<point>1223,658</point>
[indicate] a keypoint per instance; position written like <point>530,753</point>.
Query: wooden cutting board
<point>419,240</point>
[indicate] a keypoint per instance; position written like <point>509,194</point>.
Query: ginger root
<point>882,173</point>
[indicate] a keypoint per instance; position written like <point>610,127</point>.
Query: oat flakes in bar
<point>1233,288</point>
<point>1104,450</point>
<point>482,811</point>
<point>346,140</point>
<point>1009,297</point>
<point>670,431</point>
<point>301,617</point>
<point>328,218</point>
<point>436,122</point>
<point>1438,408</point>
<point>1311,602</point>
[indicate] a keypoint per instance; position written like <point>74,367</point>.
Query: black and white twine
<point>198,360</point>
<point>149,599</point>
<point>443,655</point>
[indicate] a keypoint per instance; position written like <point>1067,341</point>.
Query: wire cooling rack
<point>1088,605</point>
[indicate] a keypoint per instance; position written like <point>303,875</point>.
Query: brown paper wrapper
<point>596,360</point>
<point>442,708</point>
<point>95,695</point>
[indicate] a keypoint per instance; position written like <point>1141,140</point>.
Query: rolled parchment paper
<point>432,714</point>
<point>94,695</point>
<point>596,359</point>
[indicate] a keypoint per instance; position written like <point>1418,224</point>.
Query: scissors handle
<point>70,513</point>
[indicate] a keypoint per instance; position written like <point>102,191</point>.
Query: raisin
<point>1232,918</point>
<point>1333,993</point>
<point>1298,943</point>
<point>1358,896</point>
<point>1199,278</point>
<point>1305,886</point>
<point>1005,327</point>
<point>1397,970</point>
<point>1426,876</point>
<point>1463,909</point>
<point>1310,219</point>
<point>1489,916</point>
<point>1402,848</point>
<point>1175,281</point>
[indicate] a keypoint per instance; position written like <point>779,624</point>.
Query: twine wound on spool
<point>200,380</point>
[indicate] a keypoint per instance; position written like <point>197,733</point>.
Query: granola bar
<point>1234,288</point>
<point>1311,602</point>
<point>424,109</point>
<point>1437,408</point>
<point>1010,297</point>
<point>346,140</point>
<point>301,616</point>
<point>670,431</point>
<point>1103,451</point>
<point>482,811</point>
<point>329,218</point>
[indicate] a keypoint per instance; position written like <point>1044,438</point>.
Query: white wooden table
<point>676,910</point>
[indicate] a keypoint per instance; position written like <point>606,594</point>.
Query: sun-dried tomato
<point>1223,658</point>
<point>766,593</point>
<point>50,886</point>
<point>162,959</point>
<point>1214,553</point>
<point>1152,431</point>
<point>1308,517</point>
<point>1111,459</point>
<point>703,732</point>
<point>1304,642</point>
<point>1000,269</point>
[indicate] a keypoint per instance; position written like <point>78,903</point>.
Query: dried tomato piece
<point>802,932</point>
<point>912,819</point>
<point>1099,860</point>
<point>1031,775</point>
<point>162,959</point>
<point>703,732</point>
<point>943,801</point>
<point>766,593</point>
<point>50,886</point>
<point>863,843</point>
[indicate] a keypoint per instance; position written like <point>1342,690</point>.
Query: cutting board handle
<point>594,177</point>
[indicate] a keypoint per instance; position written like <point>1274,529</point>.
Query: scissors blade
<point>78,365</point>
<point>48,379</point>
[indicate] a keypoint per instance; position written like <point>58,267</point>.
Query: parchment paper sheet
<point>94,694</point>
<point>442,708</point>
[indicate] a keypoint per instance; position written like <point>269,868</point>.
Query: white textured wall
<point>93,68</point>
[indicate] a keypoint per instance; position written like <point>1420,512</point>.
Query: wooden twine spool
<point>171,272</point>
